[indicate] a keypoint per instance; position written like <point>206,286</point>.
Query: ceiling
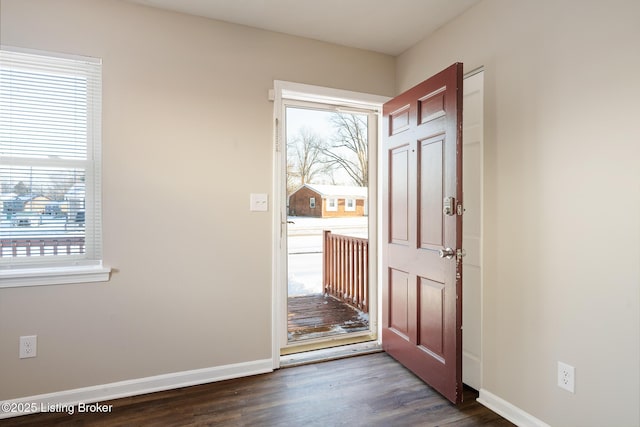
<point>384,26</point>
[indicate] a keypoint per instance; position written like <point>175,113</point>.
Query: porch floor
<point>319,316</point>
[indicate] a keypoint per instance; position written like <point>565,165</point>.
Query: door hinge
<point>459,209</point>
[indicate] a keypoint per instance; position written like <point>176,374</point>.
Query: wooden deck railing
<point>50,245</point>
<point>345,272</point>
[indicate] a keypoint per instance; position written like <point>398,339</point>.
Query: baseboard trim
<point>117,390</point>
<point>471,372</point>
<point>508,410</point>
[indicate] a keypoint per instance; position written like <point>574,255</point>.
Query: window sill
<point>53,276</point>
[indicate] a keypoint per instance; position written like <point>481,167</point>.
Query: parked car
<point>54,210</point>
<point>79,217</point>
<point>25,219</point>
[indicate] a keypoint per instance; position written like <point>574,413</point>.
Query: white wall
<point>187,136</point>
<point>562,199</point>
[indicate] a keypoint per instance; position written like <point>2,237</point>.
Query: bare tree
<point>21,189</point>
<point>305,152</point>
<point>292,181</point>
<point>348,149</point>
<point>58,184</point>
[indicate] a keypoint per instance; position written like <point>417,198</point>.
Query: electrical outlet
<point>566,377</point>
<point>28,346</point>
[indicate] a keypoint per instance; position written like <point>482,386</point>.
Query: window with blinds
<point>50,131</point>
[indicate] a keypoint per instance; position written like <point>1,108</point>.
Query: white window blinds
<point>50,134</point>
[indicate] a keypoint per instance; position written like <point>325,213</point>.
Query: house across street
<point>329,201</point>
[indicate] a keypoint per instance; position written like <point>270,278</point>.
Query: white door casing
<point>472,129</point>
<point>289,91</point>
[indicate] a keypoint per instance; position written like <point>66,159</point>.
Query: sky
<point>318,121</point>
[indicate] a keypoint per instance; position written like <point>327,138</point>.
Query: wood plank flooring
<point>319,316</point>
<point>370,390</point>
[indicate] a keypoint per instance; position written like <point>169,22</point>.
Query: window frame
<point>87,267</point>
<point>333,208</point>
<point>348,208</point>
<point>312,202</point>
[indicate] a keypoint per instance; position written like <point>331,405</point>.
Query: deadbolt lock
<point>448,206</point>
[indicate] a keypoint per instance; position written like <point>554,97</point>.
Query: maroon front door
<point>422,231</point>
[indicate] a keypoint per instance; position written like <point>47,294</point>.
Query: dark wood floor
<point>370,390</point>
<point>319,316</point>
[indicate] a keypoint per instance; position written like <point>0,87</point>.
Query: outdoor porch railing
<point>345,272</point>
<point>41,246</point>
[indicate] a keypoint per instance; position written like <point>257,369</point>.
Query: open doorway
<point>472,240</point>
<point>327,222</point>
<point>326,189</point>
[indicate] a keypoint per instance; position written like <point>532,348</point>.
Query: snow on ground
<point>303,225</point>
<point>305,274</point>
<point>299,288</point>
<point>305,249</point>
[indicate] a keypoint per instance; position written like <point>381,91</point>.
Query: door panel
<point>422,291</point>
<point>431,316</point>
<point>430,171</point>
<point>399,194</point>
<point>431,106</point>
<point>398,315</point>
<point>399,120</point>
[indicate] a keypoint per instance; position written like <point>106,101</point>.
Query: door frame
<point>474,258</point>
<point>289,91</point>
<point>292,90</point>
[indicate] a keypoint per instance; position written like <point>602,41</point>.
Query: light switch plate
<point>258,202</point>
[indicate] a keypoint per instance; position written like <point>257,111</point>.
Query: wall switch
<point>258,202</point>
<point>28,346</point>
<point>566,377</point>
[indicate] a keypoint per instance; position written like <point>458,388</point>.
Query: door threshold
<point>333,353</point>
<point>319,343</point>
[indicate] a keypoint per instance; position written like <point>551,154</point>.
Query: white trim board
<point>324,95</point>
<point>117,390</point>
<point>291,92</point>
<point>508,410</point>
<point>53,275</point>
